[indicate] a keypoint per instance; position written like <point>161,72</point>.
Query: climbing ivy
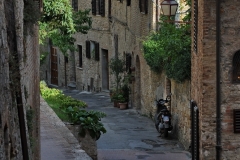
<point>169,49</point>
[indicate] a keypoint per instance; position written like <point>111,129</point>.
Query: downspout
<point>218,89</point>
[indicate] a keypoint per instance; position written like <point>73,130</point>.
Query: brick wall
<point>203,84</point>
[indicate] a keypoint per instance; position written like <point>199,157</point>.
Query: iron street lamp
<point>169,8</point>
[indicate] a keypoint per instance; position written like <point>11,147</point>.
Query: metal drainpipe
<point>218,89</point>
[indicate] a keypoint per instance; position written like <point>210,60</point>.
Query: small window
<point>98,7</point>
<point>236,68</point>
<point>92,50</point>
<point>75,5</point>
<point>80,56</point>
<point>143,6</point>
<point>128,2</point>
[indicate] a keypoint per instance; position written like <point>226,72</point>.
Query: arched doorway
<point>137,87</point>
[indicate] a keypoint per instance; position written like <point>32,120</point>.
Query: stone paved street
<point>130,136</point>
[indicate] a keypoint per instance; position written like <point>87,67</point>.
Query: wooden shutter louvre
<point>94,9</point>
<point>195,25</point>
<point>236,120</point>
<point>88,54</point>
<point>102,8</point>
<point>80,55</point>
<point>97,51</point>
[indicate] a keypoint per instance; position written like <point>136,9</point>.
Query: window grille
<point>195,25</point>
<point>236,120</point>
<point>236,68</point>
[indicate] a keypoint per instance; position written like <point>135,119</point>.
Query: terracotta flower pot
<point>123,105</point>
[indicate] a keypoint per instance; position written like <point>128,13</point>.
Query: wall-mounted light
<point>169,7</point>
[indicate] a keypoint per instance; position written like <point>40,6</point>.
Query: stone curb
<point>54,120</point>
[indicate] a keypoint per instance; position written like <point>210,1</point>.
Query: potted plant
<point>122,101</point>
<point>114,98</point>
<point>117,67</point>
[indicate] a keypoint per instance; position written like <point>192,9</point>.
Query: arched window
<point>236,68</point>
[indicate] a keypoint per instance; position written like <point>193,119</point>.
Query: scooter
<point>163,117</point>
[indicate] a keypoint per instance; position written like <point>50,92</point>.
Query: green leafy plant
<point>71,110</point>
<point>60,22</point>
<point>88,120</point>
<point>117,67</point>
<point>169,49</point>
<point>121,98</point>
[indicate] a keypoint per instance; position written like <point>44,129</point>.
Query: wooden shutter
<point>94,9</point>
<point>96,51</point>
<point>88,54</point>
<point>109,8</point>
<point>116,44</point>
<point>195,25</point>
<point>236,120</point>
<point>40,4</point>
<point>75,5</point>
<point>80,55</point>
<point>128,62</point>
<point>102,8</point>
<point>146,6</point>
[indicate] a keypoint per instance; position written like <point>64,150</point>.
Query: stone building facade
<point>19,87</point>
<point>215,77</point>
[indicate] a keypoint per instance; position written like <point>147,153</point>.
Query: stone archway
<point>137,87</point>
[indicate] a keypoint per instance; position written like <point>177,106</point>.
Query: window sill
<point>80,68</point>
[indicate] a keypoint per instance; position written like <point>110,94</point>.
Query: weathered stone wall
<point>180,109</point>
<point>19,87</point>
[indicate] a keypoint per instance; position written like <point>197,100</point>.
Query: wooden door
<point>54,66</point>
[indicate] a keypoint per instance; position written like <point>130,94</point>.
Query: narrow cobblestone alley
<point>130,136</point>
